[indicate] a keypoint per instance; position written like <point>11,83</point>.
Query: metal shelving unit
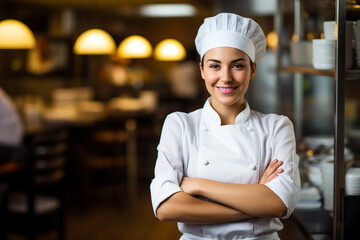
<point>306,70</point>
<point>339,138</point>
<point>341,75</point>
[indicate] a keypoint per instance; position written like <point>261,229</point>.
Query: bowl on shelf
<point>352,181</point>
<point>330,30</point>
<point>323,54</point>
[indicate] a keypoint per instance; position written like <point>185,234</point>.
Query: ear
<point>202,71</point>
<point>253,70</point>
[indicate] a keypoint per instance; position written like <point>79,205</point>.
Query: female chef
<point>226,171</point>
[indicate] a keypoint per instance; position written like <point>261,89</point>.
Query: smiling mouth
<point>226,90</point>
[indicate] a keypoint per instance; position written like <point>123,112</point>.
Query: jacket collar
<point>210,118</point>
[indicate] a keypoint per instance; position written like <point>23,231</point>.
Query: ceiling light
<point>94,41</point>
<point>169,50</point>
<point>135,47</point>
<point>15,35</point>
<point>168,10</point>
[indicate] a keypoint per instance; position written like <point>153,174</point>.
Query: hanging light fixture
<point>169,50</point>
<point>135,46</point>
<point>15,35</point>
<point>94,42</point>
<point>168,10</point>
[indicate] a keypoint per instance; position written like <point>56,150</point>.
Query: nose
<point>226,76</point>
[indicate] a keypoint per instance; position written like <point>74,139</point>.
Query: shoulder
<point>271,120</point>
<point>183,117</point>
<point>183,120</point>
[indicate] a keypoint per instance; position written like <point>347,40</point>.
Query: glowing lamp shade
<point>169,50</point>
<point>135,47</point>
<point>15,35</point>
<point>94,42</point>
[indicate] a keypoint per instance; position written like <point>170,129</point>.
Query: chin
<point>229,102</point>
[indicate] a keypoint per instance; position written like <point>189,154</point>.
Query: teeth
<point>228,88</point>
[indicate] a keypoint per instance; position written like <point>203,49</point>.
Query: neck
<point>228,114</point>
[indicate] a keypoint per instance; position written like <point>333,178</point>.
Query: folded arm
<point>232,202</point>
<point>182,207</point>
<point>252,199</point>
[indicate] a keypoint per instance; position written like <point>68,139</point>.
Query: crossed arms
<point>230,202</point>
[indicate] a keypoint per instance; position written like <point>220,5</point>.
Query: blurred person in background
<point>11,128</point>
<point>225,171</point>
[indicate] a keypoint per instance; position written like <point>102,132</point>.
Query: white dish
<point>329,30</point>
<point>316,141</point>
<point>353,172</point>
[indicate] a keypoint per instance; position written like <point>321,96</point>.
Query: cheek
<point>244,77</point>
<point>210,79</point>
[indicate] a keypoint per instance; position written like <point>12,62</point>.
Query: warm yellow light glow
<point>272,40</point>
<point>135,47</point>
<point>169,50</point>
<point>168,10</point>
<point>94,42</point>
<point>15,35</point>
<point>295,38</point>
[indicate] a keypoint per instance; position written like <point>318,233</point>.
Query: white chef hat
<point>231,30</point>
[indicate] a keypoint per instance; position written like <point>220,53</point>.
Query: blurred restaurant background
<point>93,80</point>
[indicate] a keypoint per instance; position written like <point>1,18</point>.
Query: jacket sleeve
<point>287,185</point>
<point>169,163</point>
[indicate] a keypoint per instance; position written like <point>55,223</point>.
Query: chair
<point>103,158</point>
<point>34,202</point>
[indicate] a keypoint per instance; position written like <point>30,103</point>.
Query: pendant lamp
<point>169,50</point>
<point>135,46</point>
<point>94,42</point>
<point>15,35</point>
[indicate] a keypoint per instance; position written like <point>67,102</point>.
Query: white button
<point>253,167</point>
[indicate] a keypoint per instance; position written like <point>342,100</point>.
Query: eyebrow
<point>233,61</point>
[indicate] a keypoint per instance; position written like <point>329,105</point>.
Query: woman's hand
<point>271,171</point>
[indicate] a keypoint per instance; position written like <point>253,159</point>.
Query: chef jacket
<point>196,145</point>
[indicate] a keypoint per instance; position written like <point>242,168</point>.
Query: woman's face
<point>227,72</point>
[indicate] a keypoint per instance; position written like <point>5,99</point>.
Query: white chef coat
<point>197,145</point>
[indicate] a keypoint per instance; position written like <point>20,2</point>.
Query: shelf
<point>306,70</point>
<point>353,7</point>
<point>352,74</point>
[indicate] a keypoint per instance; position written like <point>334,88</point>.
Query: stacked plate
<point>327,171</point>
<point>352,181</point>
<point>323,53</point>
<point>329,30</point>
<point>310,198</point>
<point>330,34</point>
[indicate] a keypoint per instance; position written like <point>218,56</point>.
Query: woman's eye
<point>214,66</point>
<point>238,66</point>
